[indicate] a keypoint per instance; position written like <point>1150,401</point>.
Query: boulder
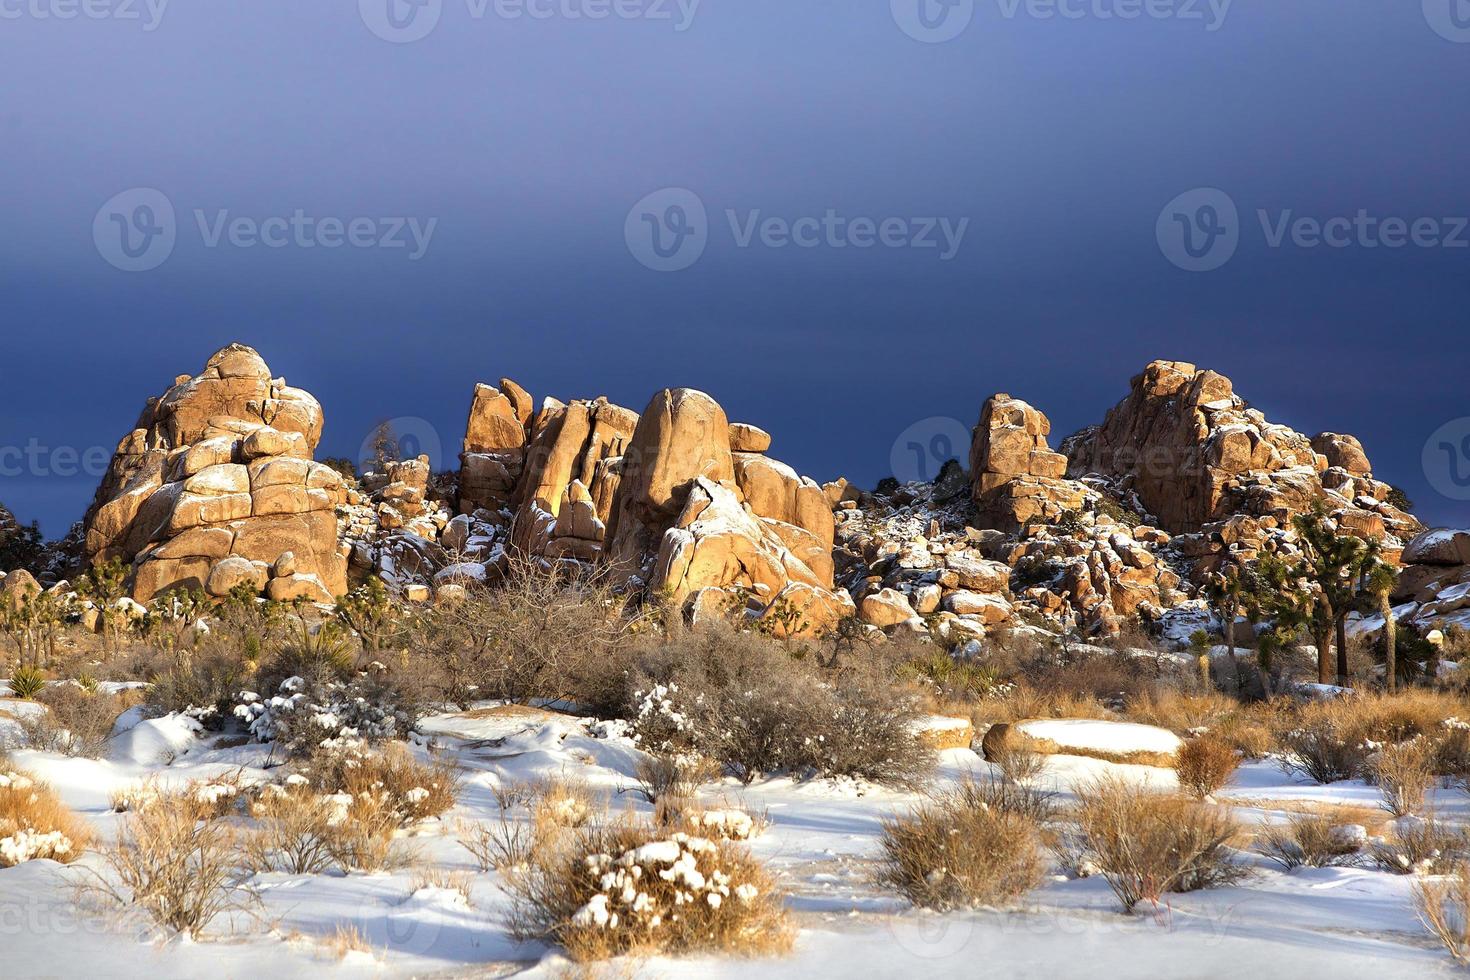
<point>884,608</point>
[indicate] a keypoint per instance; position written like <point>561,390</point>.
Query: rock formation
<point>217,475</point>
<point>1433,590</point>
<point>1016,477</point>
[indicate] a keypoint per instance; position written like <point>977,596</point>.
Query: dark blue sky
<point>1061,140</point>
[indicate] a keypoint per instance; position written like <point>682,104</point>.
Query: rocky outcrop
<point>1195,455</point>
<point>1016,478</point>
<point>220,467</point>
<point>1433,590</point>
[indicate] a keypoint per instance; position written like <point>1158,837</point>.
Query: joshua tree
<point>1228,592</point>
<point>1378,585</point>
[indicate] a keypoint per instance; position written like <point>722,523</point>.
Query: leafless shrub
<point>1444,907</point>
<point>1312,840</point>
<point>77,722</point>
<point>1404,772</point>
<point>294,830</point>
<point>1423,845</point>
<point>179,870</point>
<point>956,851</point>
<point>1147,843</point>
<point>499,844</point>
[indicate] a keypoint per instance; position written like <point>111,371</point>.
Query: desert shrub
<point>1423,845</point>
<point>561,803</point>
<point>537,634</point>
<point>77,722</point>
<point>1444,907</point>
<point>1312,840</point>
<point>412,790</point>
<point>609,890</point>
<point>727,823</point>
<point>34,823</point>
<point>1249,732</point>
<point>308,712</point>
<point>952,678</point>
<point>1324,742</point>
<point>1204,765</point>
<point>364,832</point>
<point>1015,789</point>
<point>745,701</point>
<point>1146,843</point>
<point>1404,773</point>
<point>499,844</point>
<point>27,681</point>
<point>178,869</point>
<point>1024,701</point>
<point>665,775</point>
<point>957,852</point>
<point>294,829</point>
<point>204,686</point>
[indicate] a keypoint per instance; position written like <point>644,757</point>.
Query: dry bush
<point>1204,765</point>
<point>608,890</point>
<point>1147,843</point>
<point>744,700</point>
<point>1404,773</point>
<point>1324,741</point>
<point>347,939</point>
<point>500,844</point>
<point>1423,845</point>
<point>537,634</point>
<point>957,852</point>
<point>1249,732</point>
<point>77,722</point>
<point>209,799</point>
<point>34,823</point>
<point>1312,840</point>
<point>1016,790</point>
<point>1403,715</point>
<point>680,775</point>
<point>294,830</point>
<point>1444,908</point>
<point>179,870</point>
<point>414,790</point>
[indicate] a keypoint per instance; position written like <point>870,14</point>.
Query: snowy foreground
<point>821,840</point>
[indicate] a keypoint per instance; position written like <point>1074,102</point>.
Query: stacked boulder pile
<point>215,488</point>
<point>1433,590</point>
<point>1214,472</point>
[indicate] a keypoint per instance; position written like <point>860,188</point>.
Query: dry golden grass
<point>1204,765</point>
<point>958,852</point>
<point>34,823</point>
<point>414,790</point>
<point>1148,843</point>
<point>1181,712</point>
<point>1424,845</point>
<point>347,939</point>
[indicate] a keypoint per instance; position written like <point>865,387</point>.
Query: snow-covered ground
<point>822,840</point>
